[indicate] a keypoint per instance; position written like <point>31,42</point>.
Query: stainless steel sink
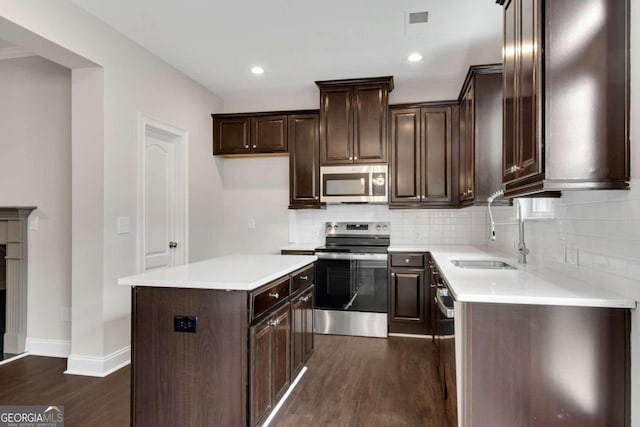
<point>482,264</point>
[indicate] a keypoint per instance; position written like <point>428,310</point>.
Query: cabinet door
<point>467,133</point>
<point>269,134</point>
<point>261,371</point>
<point>408,310</point>
<point>304,166</point>
<point>436,154</point>
<point>231,135</point>
<point>405,155</point>
<point>336,126</point>
<point>370,125</point>
<point>281,352</point>
<point>297,334</point>
<point>509,121</point>
<point>309,324</point>
<point>529,149</point>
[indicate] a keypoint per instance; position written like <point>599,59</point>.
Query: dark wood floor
<point>350,382</point>
<point>355,381</point>
<point>87,401</point>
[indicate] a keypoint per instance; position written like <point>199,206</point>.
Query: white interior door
<point>159,203</point>
<point>163,183</point>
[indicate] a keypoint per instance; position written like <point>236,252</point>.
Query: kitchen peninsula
<point>212,341</point>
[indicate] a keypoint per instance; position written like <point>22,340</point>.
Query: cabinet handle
<point>407,260</point>
<point>254,146</point>
<point>304,277</point>
<point>246,146</point>
<point>316,197</point>
<point>350,158</point>
<point>274,295</point>
<point>355,158</point>
<point>304,299</point>
<point>274,322</point>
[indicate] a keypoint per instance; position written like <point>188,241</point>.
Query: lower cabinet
<point>270,362</point>
<point>302,329</point>
<point>409,311</point>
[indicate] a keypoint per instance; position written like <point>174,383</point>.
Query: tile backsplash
<point>430,226</point>
<point>596,231</point>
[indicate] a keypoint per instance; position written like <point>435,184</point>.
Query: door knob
<point>173,245</point>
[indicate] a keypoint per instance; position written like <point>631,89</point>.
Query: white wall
<point>258,189</point>
<point>133,81</point>
<point>35,142</point>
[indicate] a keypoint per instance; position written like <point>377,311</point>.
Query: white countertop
<point>232,272</point>
<point>529,284</point>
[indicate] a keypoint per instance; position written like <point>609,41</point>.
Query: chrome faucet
<point>522,246</point>
<point>523,251</point>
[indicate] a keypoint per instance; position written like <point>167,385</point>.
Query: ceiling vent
<point>415,23</point>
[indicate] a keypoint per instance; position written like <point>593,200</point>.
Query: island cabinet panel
<point>302,329</point>
<point>270,362</point>
<point>536,365</point>
<point>174,373</point>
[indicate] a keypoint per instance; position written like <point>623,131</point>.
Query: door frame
<point>148,125</point>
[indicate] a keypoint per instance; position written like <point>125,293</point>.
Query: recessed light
<point>257,70</point>
<point>415,57</point>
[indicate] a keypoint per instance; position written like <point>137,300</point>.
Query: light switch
<point>123,225</point>
<point>252,223</point>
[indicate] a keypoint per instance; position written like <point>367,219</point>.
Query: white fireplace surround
<point>13,234</point>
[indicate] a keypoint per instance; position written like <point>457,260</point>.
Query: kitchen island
<point>218,342</point>
<point>533,344</point>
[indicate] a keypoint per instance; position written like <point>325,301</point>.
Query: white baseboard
<point>50,348</point>
<point>93,366</point>
<point>410,336</point>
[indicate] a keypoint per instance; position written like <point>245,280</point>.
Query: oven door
<point>351,282</point>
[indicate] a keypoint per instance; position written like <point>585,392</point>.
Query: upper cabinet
<point>353,120</point>
<point>257,133</point>
<point>304,161</point>
<point>421,155</point>
<point>565,95</point>
<point>480,158</point>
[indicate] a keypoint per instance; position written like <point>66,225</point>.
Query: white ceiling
<point>216,42</point>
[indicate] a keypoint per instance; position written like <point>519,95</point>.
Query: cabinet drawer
<point>407,260</point>
<point>302,279</point>
<point>267,297</point>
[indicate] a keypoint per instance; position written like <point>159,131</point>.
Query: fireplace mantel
<point>13,234</point>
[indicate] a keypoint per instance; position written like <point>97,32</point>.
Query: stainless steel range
<point>352,279</point>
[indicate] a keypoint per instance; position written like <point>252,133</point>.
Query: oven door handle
<point>446,311</point>
<point>350,257</point>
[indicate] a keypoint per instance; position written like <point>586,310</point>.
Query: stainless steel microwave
<point>354,184</point>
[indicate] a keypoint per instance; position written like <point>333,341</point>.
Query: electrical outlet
<point>185,324</point>
<point>252,223</point>
<point>571,255</point>
<point>65,314</point>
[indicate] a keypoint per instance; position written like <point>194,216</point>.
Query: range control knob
<point>378,227</point>
<point>384,228</point>
<point>335,228</point>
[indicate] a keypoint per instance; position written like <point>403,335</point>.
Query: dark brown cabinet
<point>480,124</point>
<point>231,135</point>
<point>254,133</point>
<point>466,168</point>
<point>302,329</point>
<point>236,362</point>
<point>270,362</point>
<point>566,112</point>
<point>421,154</point>
<point>353,120</point>
<point>409,309</point>
<point>304,161</point>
